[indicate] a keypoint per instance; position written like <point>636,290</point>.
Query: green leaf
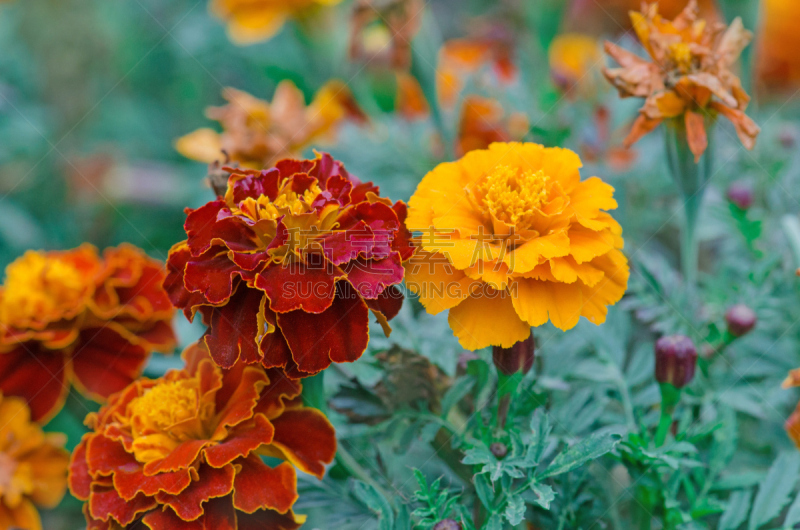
<point>736,512</point>
<point>375,502</point>
<point>793,515</point>
<point>540,425</point>
<point>773,494</point>
<point>484,490</point>
<point>544,494</point>
<point>456,393</point>
<point>594,446</point>
<point>515,510</point>
<point>495,522</point>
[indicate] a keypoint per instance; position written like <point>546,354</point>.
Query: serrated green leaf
<point>484,490</point>
<point>495,522</point>
<point>540,425</point>
<point>544,494</point>
<point>372,498</point>
<point>736,512</point>
<point>594,446</point>
<point>515,510</point>
<point>773,493</point>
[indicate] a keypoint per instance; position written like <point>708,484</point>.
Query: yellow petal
<point>607,291</point>
<point>439,284</point>
<point>537,301</point>
<point>203,145</point>
<point>487,319</point>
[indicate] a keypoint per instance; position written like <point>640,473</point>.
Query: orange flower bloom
<point>33,467</point>
<point>183,451</point>
<point>462,58</point>
<point>611,16</point>
<point>484,121</point>
<point>778,63</point>
<point>575,61</point>
<point>689,76</point>
<point>411,103</point>
<point>251,21</point>
<point>74,316</point>
<point>382,31</point>
<point>256,133</point>
<point>512,238</point>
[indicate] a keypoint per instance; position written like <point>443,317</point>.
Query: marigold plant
<point>688,76</point>
<point>184,451</point>
<point>76,316</point>
<point>511,238</point>
<point>256,133</point>
<point>286,267</point>
<point>251,21</point>
<point>33,466</point>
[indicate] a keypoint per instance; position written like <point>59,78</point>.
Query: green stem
<point>664,423</point>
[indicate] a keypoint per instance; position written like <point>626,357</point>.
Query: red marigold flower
<point>183,451</point>
<point>302,246</point>
<point>76,316</point>
<point>33,466</point>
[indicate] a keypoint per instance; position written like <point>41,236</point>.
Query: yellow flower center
<point>512,195</point>
<point>165,406</point>
<point>38,286</point>
<point>287,203</point>
<point>681,54</point>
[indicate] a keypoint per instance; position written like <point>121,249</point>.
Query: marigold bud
<point>676,357</point>
<point>740,193</point>
<point>741,319</point>
<point>517,358</point>
<point>448,524</point>
<point>499,450</point>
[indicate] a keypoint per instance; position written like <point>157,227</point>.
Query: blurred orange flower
<point>611,16</point>
<point>74,316</point>
<point>575,61</point>
<point>483,122</point>
<point>382,31</point>
<point>779,64</point>
<point>251,21</point>
<point>512,238</point>
<point>184,451</point>
<point>689,76</point>
<point>411,103</point>
<point>33,467</point>
<point>256,133</point>
<point>462,58</point>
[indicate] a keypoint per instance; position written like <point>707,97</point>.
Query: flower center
<point>512,195</point>
<point>287,203</point>
<point>39,286</point>
<point>164,406</point>
<point>680,54</point>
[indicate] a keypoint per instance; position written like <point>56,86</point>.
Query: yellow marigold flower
<point>688,77</point>
<point>511,238</point>
<point>33,466</point>
<point>256,133</point>
<point>573,56</point>
<point>251,21</point>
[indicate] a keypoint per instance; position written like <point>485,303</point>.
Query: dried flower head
<point>511,238</point>
<point>184,451</point>
<point>688,76</point>
<point>33,466</point>
<point>256,133</point>
<point>74,316</point>
<point>286,267</point>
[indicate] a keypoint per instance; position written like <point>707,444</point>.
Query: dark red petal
<point>340,334</point>
<point>181,457</point>
<point>388,303</point>
<point>239,404</point>
<point>234,328</point>
<point>218,514</point>
<point>37,375</point>
<point>107,503</point>
<point>130,483</point>
<point>359,193</point>
<point>105,456</point>
<point>180,297</point>
<point>264,183</point>
<point>371,277</point>
<point>105,363</point>
<point>289,167</point>
<point>213,277</point>
<point>243,440</point>
<point>258,486</point>
<point>268,520</point>
<point>402,238</point>
<point>273,345</point>
<point>213,482</point>
<point>80,482</point>
<point>212,224</point>
<point>281,389</point>
<point>307,438</point>
<point>297,286</point>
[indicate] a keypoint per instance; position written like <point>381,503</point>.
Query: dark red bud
<point>741,194</point>
<point>676,358</point>
<point>447,524</point>
<point>499,450</point>
<point>517,358</point>
<point>741,319</point>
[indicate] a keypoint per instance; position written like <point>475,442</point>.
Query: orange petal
<point>696,134</point>
<point>486,319</point>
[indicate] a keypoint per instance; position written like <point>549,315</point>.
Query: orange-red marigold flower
<point>251,21</point>
<point>33,466</point>
<point>511,238</point>
<point>688,77</point>
<point>183,451</point>
<point>287,266</point>
<point>256,133</point>
<point>76,316</point>
<point>778,63</point>
<point>484,121</point>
